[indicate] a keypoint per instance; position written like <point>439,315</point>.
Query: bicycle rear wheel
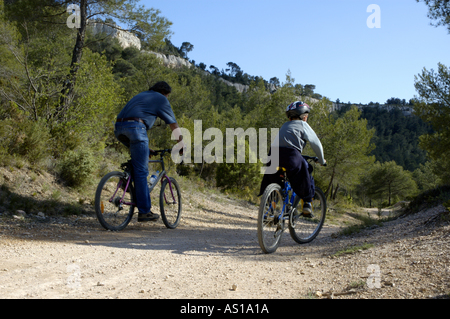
<point>114,209</point>
<point>305,229</point>
<point>170,203</point>
<point>270,226</point>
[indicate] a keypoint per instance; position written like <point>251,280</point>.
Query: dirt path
<point>215,254</point>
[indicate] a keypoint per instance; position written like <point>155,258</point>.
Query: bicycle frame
<point>128,179</point>
<point>287,188</point>
<point>161,177</point>
<point>287,200</point>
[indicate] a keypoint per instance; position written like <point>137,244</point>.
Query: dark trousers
<point>134,136</point>
<point>298,171</point>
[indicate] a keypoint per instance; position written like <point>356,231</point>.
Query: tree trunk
<point>330,186</point>
<point>331,191</point>
<point>335,191</point>
<point>68,89</point>
<point>201,170</point>
<point>389,195</point>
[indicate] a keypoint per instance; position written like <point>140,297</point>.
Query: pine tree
<point>347,145</point>
<point>388,180</point>
<point>434,107</point>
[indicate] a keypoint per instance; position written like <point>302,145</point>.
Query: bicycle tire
<point>110,214</point>
<point>305,230</point>
<point>171,216</point>
<point>269,229</point>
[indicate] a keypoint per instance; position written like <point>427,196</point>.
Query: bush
<point>76,167</point>
<point>238,176</point>
<point>241,179</point>
<point>430,198</point>
<point>35,144</point>
<point>24,138</point>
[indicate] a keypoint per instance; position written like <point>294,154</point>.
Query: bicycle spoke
<point>270,221</point>
<point>305,229</point>
<point>115,202</point>
<point>112,203</point>
<point>170,203</point>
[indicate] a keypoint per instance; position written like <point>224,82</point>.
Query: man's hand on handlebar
<point>181,152</point>
<point>151,153</point>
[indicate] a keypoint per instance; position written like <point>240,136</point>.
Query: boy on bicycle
<point>289,143</point>
<point>133,122</point>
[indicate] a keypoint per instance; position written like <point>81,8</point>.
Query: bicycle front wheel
<point>170,203</point>
<point>305,229</point>
<point>114,207</point>
<point>270,221</point>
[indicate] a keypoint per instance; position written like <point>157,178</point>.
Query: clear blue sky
<point>323,42</point>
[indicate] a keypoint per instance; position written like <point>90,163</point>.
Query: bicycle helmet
<point>297,109</point>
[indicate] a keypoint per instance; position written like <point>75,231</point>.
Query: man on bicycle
<point>289,143</point>
<point>133,122</point>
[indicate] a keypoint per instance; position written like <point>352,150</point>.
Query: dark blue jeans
<point>134,136</point>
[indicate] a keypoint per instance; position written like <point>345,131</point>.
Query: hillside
<point>397,133</point>
<point>71,256</point>
<point>60,93</point>
<point>397,128</point>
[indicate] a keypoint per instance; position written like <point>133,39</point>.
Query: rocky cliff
<point>171,61</point>
<point>126,39</point>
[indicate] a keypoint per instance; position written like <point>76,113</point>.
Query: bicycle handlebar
<point>311,158</point>
<point>162,152</point>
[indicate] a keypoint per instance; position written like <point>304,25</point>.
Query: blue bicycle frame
<point>286,200</point>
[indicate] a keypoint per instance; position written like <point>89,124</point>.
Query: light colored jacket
<point>295,134</point>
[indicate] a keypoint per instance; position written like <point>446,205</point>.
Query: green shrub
<point>24,138</point>
<point>427,199</point>
<point>238,176</point>
<point>35,144</point>
<point>77,166</point>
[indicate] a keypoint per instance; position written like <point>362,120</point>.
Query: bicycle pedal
<point>278,232</point>
<point>118,202</point>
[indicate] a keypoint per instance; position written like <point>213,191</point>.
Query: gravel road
<point>214,253</point>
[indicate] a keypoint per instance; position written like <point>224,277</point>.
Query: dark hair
<point>161,87</point>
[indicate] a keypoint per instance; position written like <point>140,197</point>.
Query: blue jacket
<point>148,106</point>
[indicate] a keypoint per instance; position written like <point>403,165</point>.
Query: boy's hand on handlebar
<point>316,160</point>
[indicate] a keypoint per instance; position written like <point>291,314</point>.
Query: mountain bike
<point>279,205</point>
<point>115,197</point>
